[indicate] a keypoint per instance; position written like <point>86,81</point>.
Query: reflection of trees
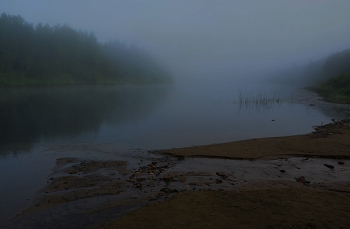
<point>29,114</point>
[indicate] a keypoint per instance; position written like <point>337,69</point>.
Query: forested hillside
<point>337,63</point>
<point>59,55</point>
<point>335,74</point>
<point>335,89</point>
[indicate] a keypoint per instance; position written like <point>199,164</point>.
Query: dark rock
<point>282,171</point>
<point>341,163</point>
<point>168,178</point>
<point>138,185</point>
<point>301,180</point>
<point>222,175</point>
<point>169,191</point>
<point>329,166</point>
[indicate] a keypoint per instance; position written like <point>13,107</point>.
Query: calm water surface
<point>39,125</point>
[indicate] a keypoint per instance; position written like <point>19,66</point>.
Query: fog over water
<point>197,39</point>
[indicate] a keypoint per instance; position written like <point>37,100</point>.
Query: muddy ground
<point>280,205</point>
<point>287,182</point>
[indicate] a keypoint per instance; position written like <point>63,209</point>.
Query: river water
<point>39,125</point>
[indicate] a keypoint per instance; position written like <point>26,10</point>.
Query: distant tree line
<point>337,63</point>
<point>316,72</point>
<point>333,65</point>
<point>60,55</point>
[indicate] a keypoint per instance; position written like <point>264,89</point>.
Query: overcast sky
<point>206,36</point>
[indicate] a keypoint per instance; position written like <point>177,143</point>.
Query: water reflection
<point>29,115</point>
<point>156,117</point>
<point>336,111</point>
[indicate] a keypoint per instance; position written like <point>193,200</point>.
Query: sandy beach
<point>265,204</point>
<point>283,182</point>
<point>327,141</point>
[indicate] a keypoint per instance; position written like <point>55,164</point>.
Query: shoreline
<point>160,192</point>
<point>327,141</point>
<point>261,204</point>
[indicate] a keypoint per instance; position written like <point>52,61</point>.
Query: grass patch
<point>258,98</point>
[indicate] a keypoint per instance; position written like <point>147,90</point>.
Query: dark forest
<point>60,55</point>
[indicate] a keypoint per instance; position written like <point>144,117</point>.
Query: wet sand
<point>273,207</point>
<point>287,182</point>
<point>327,141</point>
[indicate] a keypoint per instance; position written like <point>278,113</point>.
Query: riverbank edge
<point>327,141</point>
<point>265,204</point>
<point>159,214</point>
